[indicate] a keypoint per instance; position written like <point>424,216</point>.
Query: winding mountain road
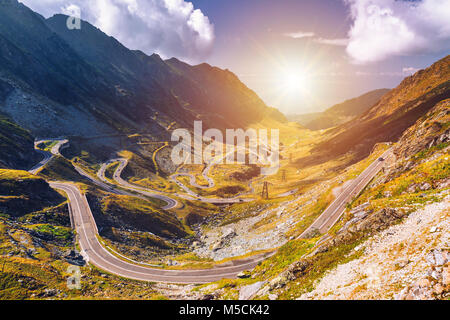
<point>47,155</point>
<point>334,212</point>
<point>100,257</point>
<point>172,203</point>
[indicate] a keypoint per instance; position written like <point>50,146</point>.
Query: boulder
<point>446,276</point>
<point>279,282</point>
<point>217,246</point>
<point>426,186</point>
<point>248,292</point>
<point>228,234</point>
<point>244,275</point>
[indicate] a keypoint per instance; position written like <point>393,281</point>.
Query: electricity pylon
<point>283,176</point>
<point>265,191</point>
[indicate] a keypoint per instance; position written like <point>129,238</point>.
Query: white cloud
<point>385,28</point>
<point>332,42</point>
<point>303,34</point>
<point>409,70</point>
<point>168,27</point>
<point>299,35</point>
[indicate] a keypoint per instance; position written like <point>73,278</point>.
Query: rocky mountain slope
<point>83,82</point>
<point>406,209</point>
<point>16,146</point>
<point>389,118</point>
<point>342,112</point>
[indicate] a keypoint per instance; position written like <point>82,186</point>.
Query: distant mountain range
<point>55,81</point>
<point>340,113</point>
<point>386,121</point>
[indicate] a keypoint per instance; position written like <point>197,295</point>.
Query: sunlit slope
<point>342,112</point>
<point>389,118</point>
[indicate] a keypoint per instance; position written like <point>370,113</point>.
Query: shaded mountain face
<point>389,118</point>
<point>85,83</point>
<point>16,143</point>
<point>219,96</point>
<point>342,112</point>
<point>16,146</point>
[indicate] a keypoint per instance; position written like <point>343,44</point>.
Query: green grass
<point>314,211</point>
<point>58,233</point>
<point>16,175</point>
<point>110,169</point>
<point>285,256</point>
<point>47,145</point>
<point>15,143</point>
<point>425,153</point>
<point>427,172</point>
<point>60,169</point>
<point>320,264</point>
<point>143,215</point>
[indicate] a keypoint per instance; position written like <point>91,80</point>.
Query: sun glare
<point>293,82</point>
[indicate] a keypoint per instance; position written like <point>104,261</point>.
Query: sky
<point>299,56</point>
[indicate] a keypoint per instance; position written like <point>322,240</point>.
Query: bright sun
<point>293,82</point>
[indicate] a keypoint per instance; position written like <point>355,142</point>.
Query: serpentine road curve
<point>99,256</point>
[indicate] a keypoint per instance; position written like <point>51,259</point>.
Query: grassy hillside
<point>22,193</point>
<point>34,268</point>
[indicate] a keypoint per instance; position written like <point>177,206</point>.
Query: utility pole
<point>283,177</point>
<point>265,191</point>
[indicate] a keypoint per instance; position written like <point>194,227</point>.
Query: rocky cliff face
<point>430,131</point>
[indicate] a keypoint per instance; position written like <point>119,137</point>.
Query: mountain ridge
<point>389,118</point>
<point>86,83</point>
<point>342,112</point>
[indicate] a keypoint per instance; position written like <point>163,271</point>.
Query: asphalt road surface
<point>47,155</point>
<point>334,212</point>
<point>97,255</point>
